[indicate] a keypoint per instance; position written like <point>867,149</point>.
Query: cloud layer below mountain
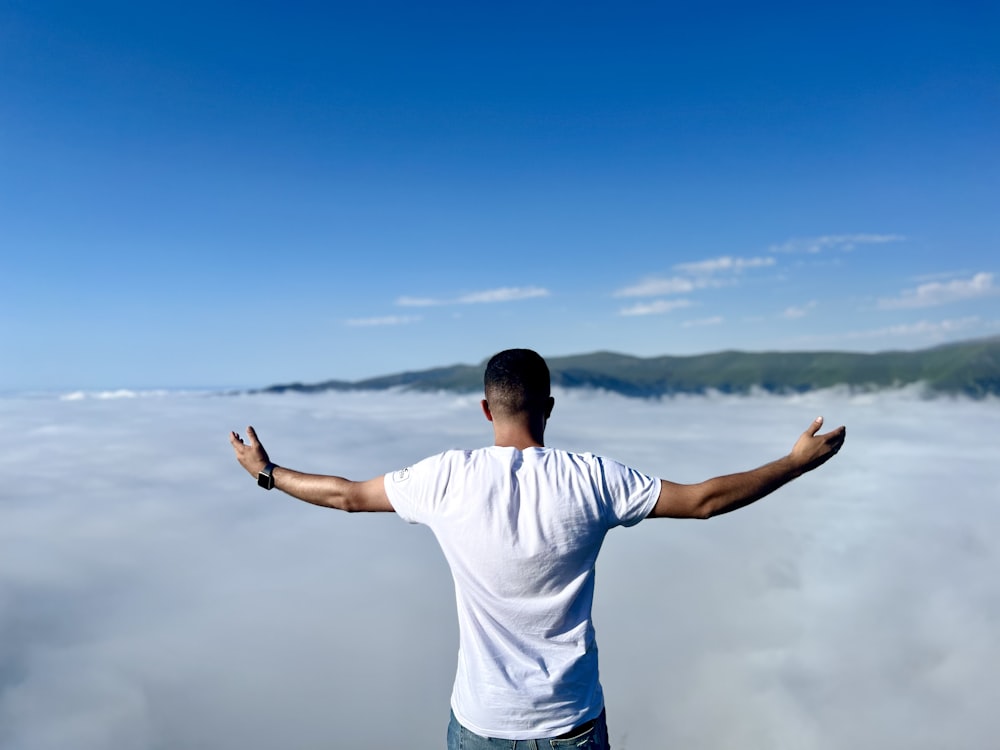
<point>152,597</point>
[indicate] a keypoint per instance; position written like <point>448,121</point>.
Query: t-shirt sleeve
<point>631,494</point>
<point>412,491</point>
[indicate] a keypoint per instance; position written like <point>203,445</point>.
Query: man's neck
<point>518,436</point>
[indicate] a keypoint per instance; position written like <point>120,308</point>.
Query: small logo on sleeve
<point>401,476</point>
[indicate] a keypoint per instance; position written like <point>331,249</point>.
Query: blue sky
<point>241,194</point>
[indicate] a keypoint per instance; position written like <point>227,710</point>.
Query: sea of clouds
<point>153,598</point>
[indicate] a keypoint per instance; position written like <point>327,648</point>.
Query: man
<point>520,526</point>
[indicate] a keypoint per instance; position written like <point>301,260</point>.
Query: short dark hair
<point>516,381</point>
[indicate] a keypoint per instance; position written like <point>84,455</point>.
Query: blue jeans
<point>594,737</point>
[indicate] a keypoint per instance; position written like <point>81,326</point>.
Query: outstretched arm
<point>727,493</point>
<point>318,489</point>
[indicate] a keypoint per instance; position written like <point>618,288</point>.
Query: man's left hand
<point>250,454</point>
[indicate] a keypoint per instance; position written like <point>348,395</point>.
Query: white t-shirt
<point>521,531</point>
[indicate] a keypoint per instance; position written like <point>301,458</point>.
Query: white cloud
<point>927,330</point>
<point>931,328</point>
<point>837,242</point>
<point>696,275</point>
<point>151,596</point>
<point>798,311</point>
<point>724,264</point>
<point>656,307</point>
<point>419,302</point>
<point>940,276</point>
<point>712,321</point>
<point>502,294</point>
<point>936,293</point>
<point>654,286</point>
<point>384,320</point>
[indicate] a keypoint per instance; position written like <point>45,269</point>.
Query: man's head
<point>517,383</point>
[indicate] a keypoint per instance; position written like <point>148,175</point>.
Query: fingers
<point>833,440</point>
<point>250,448</point>
<point>838,436</point>
<point>234,437</point>
<point>252,441</point>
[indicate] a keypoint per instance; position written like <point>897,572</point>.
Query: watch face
<point>265,479</point>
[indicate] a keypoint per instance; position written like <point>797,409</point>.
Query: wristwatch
<point>265,479</point>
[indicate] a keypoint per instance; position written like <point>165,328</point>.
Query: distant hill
<point>969,368</point>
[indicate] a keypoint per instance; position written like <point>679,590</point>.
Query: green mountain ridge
<point>967,368</point>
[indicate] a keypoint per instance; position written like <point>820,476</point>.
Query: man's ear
<point>486,410</point>
<point>548,407</point>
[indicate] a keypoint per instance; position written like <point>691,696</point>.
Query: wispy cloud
<point>931,328</point>
<point>501,294</point>
<point>712,321</point>
<point>798,311</point>
<point>939,276</point>
<point>419,302</point>
<point>691,276</point>
<point>725,264</point>
<point>836,242</point>
<point>384,320</point>
<point>656,307</point>
<point>653,286</point>
<point>940,293</point>
<point>928,329</point>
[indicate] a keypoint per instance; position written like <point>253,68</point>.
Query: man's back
<point>521,531</point>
